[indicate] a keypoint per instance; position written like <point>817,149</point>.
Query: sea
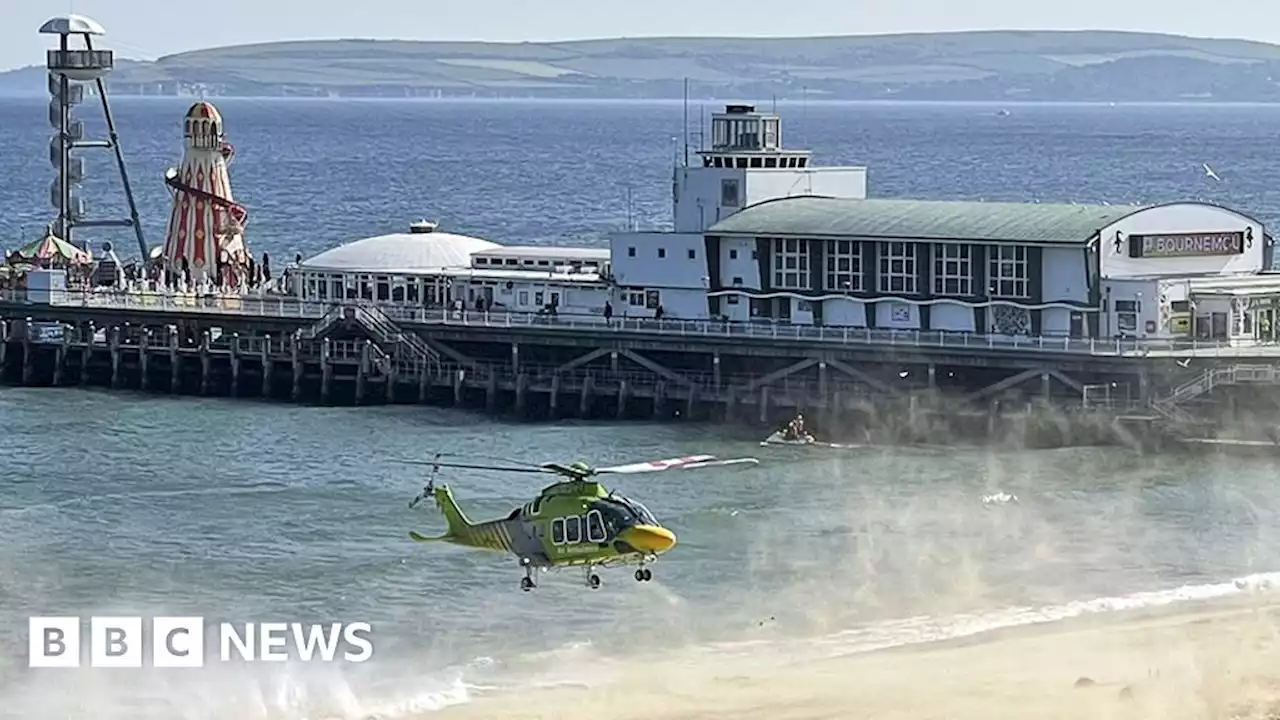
<point>124,504</point>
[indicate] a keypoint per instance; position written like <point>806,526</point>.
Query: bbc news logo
<point>180,642</point>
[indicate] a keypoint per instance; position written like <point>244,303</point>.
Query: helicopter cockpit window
<point>573,530</point>
<point>557,531</point>
<point>537,506</point>
<point>595,527</point>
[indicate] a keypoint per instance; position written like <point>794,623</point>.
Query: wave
<point>403,688</point>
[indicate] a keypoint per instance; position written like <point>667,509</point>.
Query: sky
<point>147,29</point>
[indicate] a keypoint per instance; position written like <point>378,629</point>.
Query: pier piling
<point>458,377</point>
<point>268,367</point>
<point>235,365</point>
<point>114,348</point>
<point>326,371</point>
<point>175,362</point>
<point>522,389</point>
<point>60,362</point>
<point>491,394</point>
<point>390,388</point>
<point>362,372</point>
<point>659,399</point>
<point>584,400</point>
<point>295,391</point>
<point>623,398</point>
<point>205,339</point>
<point>554,400</point>
<point>144,359</point>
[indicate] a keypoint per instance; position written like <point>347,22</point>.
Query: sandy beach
<point>1217,661</point>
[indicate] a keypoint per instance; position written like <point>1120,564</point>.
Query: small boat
<point>780,438</point>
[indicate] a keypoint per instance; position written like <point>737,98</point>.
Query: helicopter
<point>574,522</point>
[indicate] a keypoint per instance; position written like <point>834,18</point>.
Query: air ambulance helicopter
<point>574,522</point>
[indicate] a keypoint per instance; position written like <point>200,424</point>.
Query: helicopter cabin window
<point>573,530</point>
<point>595,527</point>
<point>557,531</point>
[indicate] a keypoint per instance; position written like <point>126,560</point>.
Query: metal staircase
<point>1210,379</point>
<point>393,342</point>
<point>389,335</point>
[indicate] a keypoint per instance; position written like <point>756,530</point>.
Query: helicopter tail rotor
<point>429,489</point>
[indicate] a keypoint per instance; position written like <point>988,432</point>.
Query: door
<point>1077,325</point>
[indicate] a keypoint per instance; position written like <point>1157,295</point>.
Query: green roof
<point>811,216</point>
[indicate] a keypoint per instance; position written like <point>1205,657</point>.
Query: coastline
<point>1194,659</point>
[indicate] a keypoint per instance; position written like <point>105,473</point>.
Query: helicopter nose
<point>649,538</point>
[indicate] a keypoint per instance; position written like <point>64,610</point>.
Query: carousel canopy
<point>51,247</point>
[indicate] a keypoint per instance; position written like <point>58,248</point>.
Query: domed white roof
<point>423,251</point>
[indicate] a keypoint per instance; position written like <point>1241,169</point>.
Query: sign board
<point>46,333</point>
<point>1173,245</point>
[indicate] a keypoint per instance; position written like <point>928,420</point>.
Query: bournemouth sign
<point>1173,245</point>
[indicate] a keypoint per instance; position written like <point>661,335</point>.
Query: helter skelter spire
<point>205,236</point>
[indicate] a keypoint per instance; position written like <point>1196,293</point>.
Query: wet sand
<point>1217,660</point>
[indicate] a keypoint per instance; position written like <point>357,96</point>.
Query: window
<point>790,264</point>
<point>482,261</point>
<point>595,527</point>
<point>557,531</point>
<point>952,269</point>
<point>537,299</point>
<point>631,252</point>
<point>733,254</point>
<point>662,252</point>
<point>844,266</point>
<point>898,268</point>
<point>523,297</point>
<point>737,281</point>
<point>1007,275</point>
<point>573,530</point>
<point>729,193</point>
<point>732,299</point>
<point>693,255</point>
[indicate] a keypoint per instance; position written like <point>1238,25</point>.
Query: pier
<point>538,367</point>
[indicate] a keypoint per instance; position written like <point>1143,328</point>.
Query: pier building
<point>780,285</point>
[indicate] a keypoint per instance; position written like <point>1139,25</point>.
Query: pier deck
<point>544,365</point>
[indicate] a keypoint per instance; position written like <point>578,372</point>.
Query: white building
<point>409,268</point>
<point>999,268</point>
<point>535,279</point>
<point>746,165</point>
<point>428,268</point>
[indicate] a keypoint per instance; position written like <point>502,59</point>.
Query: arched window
<point>595,527</point>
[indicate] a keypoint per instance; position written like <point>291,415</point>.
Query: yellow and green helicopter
<point>574,522</point>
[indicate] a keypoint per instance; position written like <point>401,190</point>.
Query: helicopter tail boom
<point>459,527</point>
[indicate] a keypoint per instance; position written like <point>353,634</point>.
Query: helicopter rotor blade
<point>681,463</point>
<point>471,466</point>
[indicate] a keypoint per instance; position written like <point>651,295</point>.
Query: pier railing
<point>405,316</point>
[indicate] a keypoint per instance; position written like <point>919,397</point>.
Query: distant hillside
<point>1032,65</point>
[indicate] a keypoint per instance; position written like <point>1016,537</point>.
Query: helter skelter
<point>204,243</point>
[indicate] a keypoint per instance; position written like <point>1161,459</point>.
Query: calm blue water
<point>119,503</point>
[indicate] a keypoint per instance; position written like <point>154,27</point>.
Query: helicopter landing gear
<point>593,580</point>
<point>526,582</point>
<point>644,575</point>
